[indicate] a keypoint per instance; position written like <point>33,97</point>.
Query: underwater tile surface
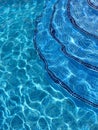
<point>48,65</point>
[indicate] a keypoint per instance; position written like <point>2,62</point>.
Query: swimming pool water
<point>48,65</point>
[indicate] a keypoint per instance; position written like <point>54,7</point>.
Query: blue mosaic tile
<point>48,65</point>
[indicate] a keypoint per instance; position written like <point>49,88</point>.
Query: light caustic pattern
<point>66,40</point>
<point>29,100</point>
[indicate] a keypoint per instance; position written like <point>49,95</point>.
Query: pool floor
<point>30,97</point>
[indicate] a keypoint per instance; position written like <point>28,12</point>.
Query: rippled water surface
<point>48,65</point>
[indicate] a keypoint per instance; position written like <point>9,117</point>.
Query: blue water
<point>48,65</point>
